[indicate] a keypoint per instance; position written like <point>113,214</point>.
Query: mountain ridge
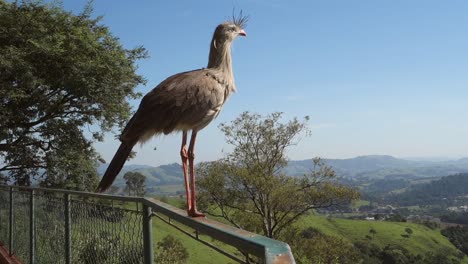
<point>368,166</point>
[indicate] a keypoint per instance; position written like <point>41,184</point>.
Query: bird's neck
<point>220,56</point>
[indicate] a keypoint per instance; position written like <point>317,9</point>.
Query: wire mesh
<point>21,213</point>
<point>49,227</point>
<point>4,214</point>
<point>103,232</point>
<point>109,229</point>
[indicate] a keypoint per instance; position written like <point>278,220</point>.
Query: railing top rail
<point>273,251</point>
<point>84,194</point>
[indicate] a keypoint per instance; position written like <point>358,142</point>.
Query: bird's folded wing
<point>182,100</point>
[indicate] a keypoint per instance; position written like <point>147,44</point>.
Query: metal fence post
<point>67,229</point>
<point>32,230</point>
<point>147,235</point>
<point>10,227</point>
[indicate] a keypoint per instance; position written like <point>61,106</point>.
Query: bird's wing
<point>188,100</point>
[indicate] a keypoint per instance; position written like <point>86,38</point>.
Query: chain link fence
<point>4,215</point>
<point>101,231</point>
<point>40,225</point>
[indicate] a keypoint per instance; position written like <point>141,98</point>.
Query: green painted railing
<point>40,225</point>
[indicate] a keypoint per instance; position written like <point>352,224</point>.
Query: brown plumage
<point>185,101</point>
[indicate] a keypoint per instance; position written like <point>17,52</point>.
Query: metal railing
<point>40,225</point>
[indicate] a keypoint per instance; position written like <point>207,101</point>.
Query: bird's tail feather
<point>115,166</point>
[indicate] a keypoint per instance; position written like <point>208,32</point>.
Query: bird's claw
<point>195,213</point>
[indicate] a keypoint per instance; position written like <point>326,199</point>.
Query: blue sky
<point>375,77</point>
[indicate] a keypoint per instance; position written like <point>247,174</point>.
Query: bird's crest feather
<point>240,20</point>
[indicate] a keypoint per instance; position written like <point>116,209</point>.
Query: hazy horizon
<point>425,159</point>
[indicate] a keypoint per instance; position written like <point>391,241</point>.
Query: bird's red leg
<point>184,157</point>
<point>193,212</point>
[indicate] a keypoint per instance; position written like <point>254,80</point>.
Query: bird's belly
<point>199,121</point>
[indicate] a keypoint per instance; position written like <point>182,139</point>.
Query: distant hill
<point>445,190</point>
<point>170,174</point>
<point>381,166</point>
<point>372,167</point>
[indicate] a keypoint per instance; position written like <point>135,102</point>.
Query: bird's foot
<point>195,213</point>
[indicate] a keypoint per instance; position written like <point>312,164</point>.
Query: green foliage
<point>397,254</point>
<point>409,231</point>
<point>373,232</point>
<point>393,254</point>
<point>3,179</point>
<point>458,218</point>
<point>249,190</point>
<point>64,81</point>
<point>311,246</point>
<point>395,218</point>
<point>135,183</point>
<point>458,235</point>
<point>170,251</point>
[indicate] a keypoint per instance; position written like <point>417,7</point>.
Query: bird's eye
<point>232,29</point>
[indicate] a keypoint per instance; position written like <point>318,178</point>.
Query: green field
<point>423,239</point>
<point>198,253</point>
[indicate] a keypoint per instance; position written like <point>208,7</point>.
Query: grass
<point>169,189</point>
<point>198,253</point>
<point>422,240</point>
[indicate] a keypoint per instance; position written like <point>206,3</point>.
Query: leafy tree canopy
<point>135,183</point>
<point>312,246</point>
<point>249,190</point>
<point>170,251</point>
<point>64,82</point>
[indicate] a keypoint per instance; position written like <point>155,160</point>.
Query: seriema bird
<point>183,102</point>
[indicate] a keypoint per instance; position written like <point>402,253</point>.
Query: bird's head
<point>229,30</point>
<point>225,33</point>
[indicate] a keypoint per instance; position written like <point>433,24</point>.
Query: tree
<point>3,179</point>
<point>311,246</point>
<point>373,232</point>
<point>248,187</point>
<point>135,182</point>
<point>64,82</point>
<point>170,251</point>
<point>408,232</point>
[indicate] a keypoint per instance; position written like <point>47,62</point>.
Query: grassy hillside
<point>423,239</point>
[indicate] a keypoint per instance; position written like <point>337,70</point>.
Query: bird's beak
<point>242,33</point>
